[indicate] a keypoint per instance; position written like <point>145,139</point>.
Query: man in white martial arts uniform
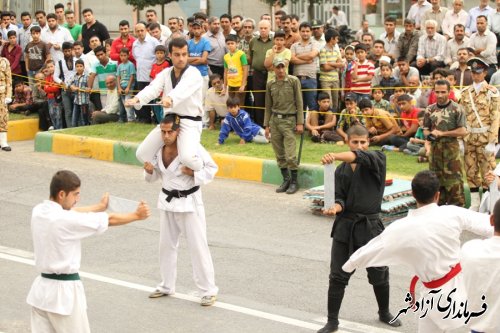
<point>57,296</point>
<point>181,210</point>
<point>181,86</point>
<point>481,271</point>
<point>427,242</point>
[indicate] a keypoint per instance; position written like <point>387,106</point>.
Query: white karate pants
<point>193,225</point>
<point>49,322</point>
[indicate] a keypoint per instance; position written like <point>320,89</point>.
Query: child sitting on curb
<point>239,121</point>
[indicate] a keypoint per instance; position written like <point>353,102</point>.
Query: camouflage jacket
<point>487,104</point>
<point>447,119</point>
<point>5,79</point>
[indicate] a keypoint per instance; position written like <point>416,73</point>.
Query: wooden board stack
<point>396,201</point>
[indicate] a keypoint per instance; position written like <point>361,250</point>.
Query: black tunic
<point>360,193</point>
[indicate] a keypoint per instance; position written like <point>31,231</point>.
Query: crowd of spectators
<point>79,76</point>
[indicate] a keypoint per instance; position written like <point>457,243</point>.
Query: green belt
<point>62,277</point>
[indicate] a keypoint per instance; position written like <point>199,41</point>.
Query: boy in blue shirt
<point>126,80</point>
<point>239,121</point>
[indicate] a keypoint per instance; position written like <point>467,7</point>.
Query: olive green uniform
<point>482,125</point>
<point>445,158</point>
<point>284,111</point>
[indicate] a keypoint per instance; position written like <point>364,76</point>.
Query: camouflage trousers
<point>4,114</point>
<point>446,163</point>
<point>477,164</point>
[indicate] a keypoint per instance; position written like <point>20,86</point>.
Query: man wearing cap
<point>480,102</point>
<point>282,118</point>
<point>444,122</point>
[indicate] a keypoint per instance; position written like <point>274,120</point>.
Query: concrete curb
<point>20,130</point>
<point>230,166</point>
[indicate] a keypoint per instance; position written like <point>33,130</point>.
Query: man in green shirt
<point>74,29</point>
<point>283,117</point>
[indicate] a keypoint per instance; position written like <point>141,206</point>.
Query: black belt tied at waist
<point>191,118</point>
<point>62,277</point>
<point>282,116</point>
<point>179,194</point>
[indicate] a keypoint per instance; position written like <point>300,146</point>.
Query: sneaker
<point>208,300</point>
<point>315,139</point>
<point>157,293</point>
<point>51,128</point>
<point>6,148</point>
<point>387,148</point>
<point>407,152</point>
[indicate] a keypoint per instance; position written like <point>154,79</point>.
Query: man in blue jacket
<point>239,121</point>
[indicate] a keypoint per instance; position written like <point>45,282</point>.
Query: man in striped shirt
<point>102,69</point>
<point>362,74</point>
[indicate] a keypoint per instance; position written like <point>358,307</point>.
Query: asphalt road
<point>271,257</point>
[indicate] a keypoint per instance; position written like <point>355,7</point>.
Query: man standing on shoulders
<point>283,118</point>
<point>182,211</point>
<point>480,102</point>
<point>444,123</point>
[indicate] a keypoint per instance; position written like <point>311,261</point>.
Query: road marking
<point>25,257</point>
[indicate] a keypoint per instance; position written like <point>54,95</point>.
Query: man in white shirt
<point>484,43</point>
<point>452,17</point>
<point>55,36</point>
<point>338,18</point>
<point>182,211</point>
<point>427,243</point>
<point>57,296</point>
<point>417,11</point>
<point>365,29</point>
<point>7,25</point>
<point>479,258</point>
<point>390,37</point>
<point>24,36</point>
<point>111,110</point>
<point>482,9</point>
<point>151,17</point>
<point>143,51</point>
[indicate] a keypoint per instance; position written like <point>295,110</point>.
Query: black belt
<point>62,277</point>
<point>191,118</point>
<point>282,116</point>
<point>179,194</point>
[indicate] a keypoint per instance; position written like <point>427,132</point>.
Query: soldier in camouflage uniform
<point>283,118</point>
<point>480,102</point>
<point>444,122</point>
<point>5,98</point>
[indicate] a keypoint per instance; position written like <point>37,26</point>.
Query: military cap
<point>351,97</point>
<point>316,23</point>
<point>197,22</point>
<point>477,65</point>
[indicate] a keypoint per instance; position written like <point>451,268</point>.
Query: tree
<point>141,4</point>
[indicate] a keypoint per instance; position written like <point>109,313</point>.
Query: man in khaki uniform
<point>480,102</point>
<point>282,118</point>
<point>5,98</point>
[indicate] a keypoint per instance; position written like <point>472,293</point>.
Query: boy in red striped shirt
<point>362,74</point>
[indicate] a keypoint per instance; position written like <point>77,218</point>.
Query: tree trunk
<point>163,13</point>
<point>229,5</point>
<point>310,10</point>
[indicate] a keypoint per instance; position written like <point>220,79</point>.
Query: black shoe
<point>387,317</point>
<point>316,139</point>
<point>294,187</point>
<point>6,148</point>
<point>284,186</point>
<point>329,327</point>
